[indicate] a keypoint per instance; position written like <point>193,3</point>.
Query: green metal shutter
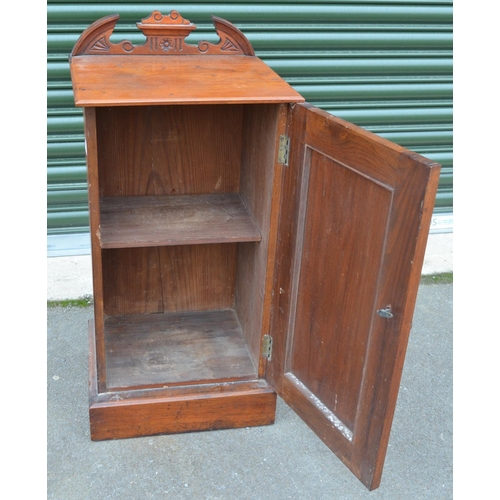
<point>385,65</point>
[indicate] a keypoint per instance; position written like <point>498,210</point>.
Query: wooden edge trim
<point>148,417</point>
<point>430,171</point>
<point>361,132</point>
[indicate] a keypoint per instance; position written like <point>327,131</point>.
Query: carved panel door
<point>354,222</point>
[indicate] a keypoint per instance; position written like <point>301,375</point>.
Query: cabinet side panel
<point>196,149</point>
<point>125,151</point>
<point>91,148</point>
<point>262,126</point>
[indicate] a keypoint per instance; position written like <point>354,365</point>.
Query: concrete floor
<point>282,461</point>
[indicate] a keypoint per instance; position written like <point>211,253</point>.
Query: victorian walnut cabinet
<point>244,244</point>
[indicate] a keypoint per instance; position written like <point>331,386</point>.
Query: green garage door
<point>385,65</point>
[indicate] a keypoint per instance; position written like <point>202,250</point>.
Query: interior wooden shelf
<point>175,348</point>
<point>138,221</point>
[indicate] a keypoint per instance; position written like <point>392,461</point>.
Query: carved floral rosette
<point>165,35</point>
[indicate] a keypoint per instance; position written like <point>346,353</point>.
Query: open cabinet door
<point>355,217</point>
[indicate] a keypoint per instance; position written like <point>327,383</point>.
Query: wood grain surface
<point>140,80</point>
<point>140,221</point>
<point>175,348</point>
<point>355,217</point>
<point>167,150</point>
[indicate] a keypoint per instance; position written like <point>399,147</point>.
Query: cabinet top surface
<point>167,70</point>
<point>118,80</point>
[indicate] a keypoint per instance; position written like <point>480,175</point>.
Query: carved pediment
<point>165,34</point>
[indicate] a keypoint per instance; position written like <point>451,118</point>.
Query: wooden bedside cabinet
<point>244,244</point>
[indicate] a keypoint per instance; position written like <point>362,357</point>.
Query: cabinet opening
<point>185,203</point>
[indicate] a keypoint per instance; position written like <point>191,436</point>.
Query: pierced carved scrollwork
<point>165,34</point>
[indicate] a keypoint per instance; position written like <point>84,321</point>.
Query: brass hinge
<point>284,149</point>
<point>267,346</point>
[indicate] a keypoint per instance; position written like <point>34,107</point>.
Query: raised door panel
<point>355,217</point>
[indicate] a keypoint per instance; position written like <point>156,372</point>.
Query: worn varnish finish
<point>139,221</point>
<point>251,81</point>
<point>260,174</point>
<point>227,73</point>
<point>348,252</point>
<point>343,225</point>
<point>146,417</point>
<point>175,348</point>
<point>145,412</point>
<point>92,157</point>
<point>198,277</point>
<point>205,239</point>
<point>167,150</point>
<point>164,34</point>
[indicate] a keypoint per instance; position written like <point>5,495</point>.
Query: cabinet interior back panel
<point>168,150</point>
<point>169,279</point>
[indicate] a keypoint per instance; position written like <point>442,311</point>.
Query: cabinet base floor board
<point>175,348</point>
<point>147,412</point>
